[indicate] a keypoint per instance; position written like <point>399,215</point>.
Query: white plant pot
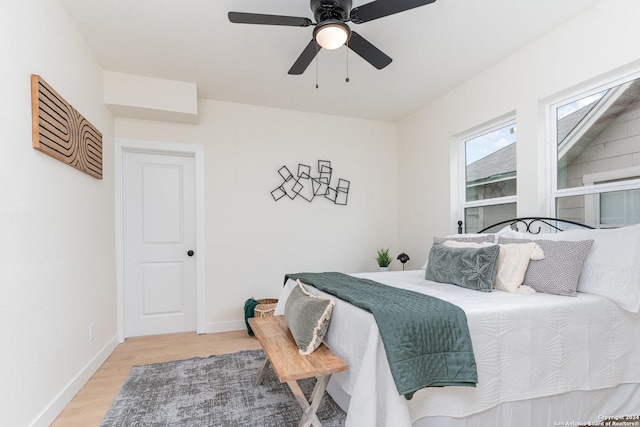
<point>384,268</point>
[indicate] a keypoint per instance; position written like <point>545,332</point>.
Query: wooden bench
<point>290,366</point>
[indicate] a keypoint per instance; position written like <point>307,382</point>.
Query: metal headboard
<point>530,223</point>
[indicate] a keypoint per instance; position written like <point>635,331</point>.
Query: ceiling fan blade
<point>368,52</point>
<point>305,58</point>
<point>381,8</point>
<point>257,18</point>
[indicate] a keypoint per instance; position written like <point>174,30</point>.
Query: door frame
<point>123,145</point>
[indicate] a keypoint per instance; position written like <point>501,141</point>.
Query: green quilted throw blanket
<point>426,339</point>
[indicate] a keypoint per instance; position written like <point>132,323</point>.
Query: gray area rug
<point>214,391</point>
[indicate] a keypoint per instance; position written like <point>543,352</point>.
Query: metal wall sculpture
<point>309,187</point>
<point>60,131</point>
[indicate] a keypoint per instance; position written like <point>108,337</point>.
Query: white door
<point>159,243</point>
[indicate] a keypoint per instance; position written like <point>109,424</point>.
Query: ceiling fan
<point>331,30</point>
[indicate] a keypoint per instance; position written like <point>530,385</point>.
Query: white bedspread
<point>526,346</point>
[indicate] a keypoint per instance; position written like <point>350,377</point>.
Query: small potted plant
<point>383,259</point>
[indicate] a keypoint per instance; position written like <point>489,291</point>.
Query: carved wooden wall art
<point>63,133</point>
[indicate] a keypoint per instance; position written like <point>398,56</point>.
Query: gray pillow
<point>480,238</point>
<point>473,268</point>
<point>558,273</point>
<point>308,318</point>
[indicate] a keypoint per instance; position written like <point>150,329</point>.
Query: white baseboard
<point>54,409</point>
<point>235,325</point>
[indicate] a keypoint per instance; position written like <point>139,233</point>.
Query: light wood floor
<point>93,401</point>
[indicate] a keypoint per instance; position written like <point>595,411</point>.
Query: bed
<point>542,359</point>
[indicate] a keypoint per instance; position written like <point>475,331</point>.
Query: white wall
<point>252,241</point>
<point>57,268</point>
<point>597,45</point>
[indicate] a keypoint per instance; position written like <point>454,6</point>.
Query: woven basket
<point>266,307</point>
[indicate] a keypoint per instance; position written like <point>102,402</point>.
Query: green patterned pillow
<point>473,268</point>
<point>308,318</point>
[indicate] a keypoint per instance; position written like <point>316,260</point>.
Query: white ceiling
<point>434,48</point>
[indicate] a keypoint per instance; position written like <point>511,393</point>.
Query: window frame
<point>462,150</point>
<point>595,183</point>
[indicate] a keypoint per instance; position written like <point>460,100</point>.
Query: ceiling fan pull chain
<point>317,50</point>
<point>347,79</point>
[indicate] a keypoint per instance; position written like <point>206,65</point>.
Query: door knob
<point>190,252</point>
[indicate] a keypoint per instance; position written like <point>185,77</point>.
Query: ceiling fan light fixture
<point>331,34</point>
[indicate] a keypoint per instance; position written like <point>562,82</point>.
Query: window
<point>489,176</point>
<point>597,156</point>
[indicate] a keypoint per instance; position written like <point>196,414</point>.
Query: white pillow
<point>513,261</point>
<point>474,237</point>
<point>612,268</point>
<point>458,244</point>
